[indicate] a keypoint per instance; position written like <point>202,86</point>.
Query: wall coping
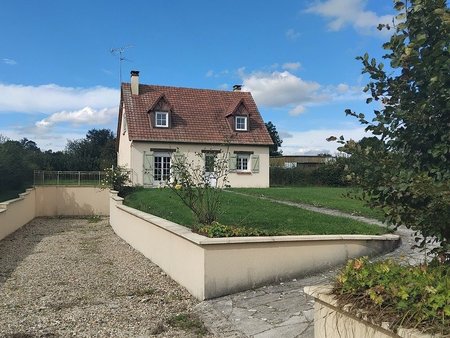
<point>187,233</point>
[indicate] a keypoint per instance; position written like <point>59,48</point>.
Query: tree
<point>95,152</point>
<point>14,171</point>
<point>407,172</point>
<point>277,141</point>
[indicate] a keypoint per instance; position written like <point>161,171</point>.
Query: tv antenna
<point>119,52</point>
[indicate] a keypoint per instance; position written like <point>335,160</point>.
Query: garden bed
<point>250,212</point>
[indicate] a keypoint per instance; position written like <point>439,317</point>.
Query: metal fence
<point>91,178</point>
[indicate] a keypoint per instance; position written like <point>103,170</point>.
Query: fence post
<point>57,178</point>
<point>79,178</point>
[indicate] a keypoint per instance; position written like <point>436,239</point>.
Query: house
<point>157,122</point>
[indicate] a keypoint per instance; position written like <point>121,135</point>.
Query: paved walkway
<point>282,310</point>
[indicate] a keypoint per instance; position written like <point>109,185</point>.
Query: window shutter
<point>255,163</point>
<point>232,162</point>
<point>148,168</point>
<point>178,159</point>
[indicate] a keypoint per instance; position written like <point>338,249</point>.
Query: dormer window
<point>162,119</point>
<point>241,123</point>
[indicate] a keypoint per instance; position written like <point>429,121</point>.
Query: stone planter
<point>331,321</point>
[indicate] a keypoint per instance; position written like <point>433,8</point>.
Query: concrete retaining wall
<point>17,212</point>
<point>51,201</point>
<point>213,267</point>
<point>71,201</point>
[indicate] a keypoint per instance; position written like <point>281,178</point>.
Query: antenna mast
<point>119,52</point>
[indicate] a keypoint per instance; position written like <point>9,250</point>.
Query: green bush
<point>407,296</point>
<point>117,178</point>
<point>329,174</point>
<point>219,230</point>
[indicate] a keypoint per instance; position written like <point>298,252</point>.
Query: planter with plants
<point>384,299</point>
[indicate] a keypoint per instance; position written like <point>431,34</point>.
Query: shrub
<point>117,178</point>
<point>219,230</point>
<point>330,174</point>
<point>407,296</point>
<point>199,191</point>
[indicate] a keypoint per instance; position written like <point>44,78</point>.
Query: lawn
<point>327,197</point>
<point>249,211</point>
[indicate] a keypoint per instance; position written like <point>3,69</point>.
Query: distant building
<point>300,161</point>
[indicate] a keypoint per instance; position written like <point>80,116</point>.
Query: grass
<point>249,211</point>
<point>188,322</point>
<point>327,197</point>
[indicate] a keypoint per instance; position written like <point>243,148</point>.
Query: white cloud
<point>85,116</point>
<point>279,89</point>
<point>9,62</point>
<point>292,34</point>
<point>297,110</point>
<point>312,142</point>
<point>291,66</point>
<point>53,98</point>
<point>286,90</point>
<point>44,140</point>
<point>342,88</point>
<point>341,13</point>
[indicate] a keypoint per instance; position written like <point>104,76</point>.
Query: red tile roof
<point>197,116</point>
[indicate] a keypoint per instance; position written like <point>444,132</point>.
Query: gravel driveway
<point>72,277</point>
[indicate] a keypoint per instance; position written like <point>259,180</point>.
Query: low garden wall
<point>51,201</point>
<point>331,321</point>
<point>213,267</point>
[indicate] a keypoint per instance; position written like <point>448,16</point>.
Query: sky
<point>60,68</point>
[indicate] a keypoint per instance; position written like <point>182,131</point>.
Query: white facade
<point>147,161</point>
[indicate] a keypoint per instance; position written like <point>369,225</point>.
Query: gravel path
<point>69,277</point>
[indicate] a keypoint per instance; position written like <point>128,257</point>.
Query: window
<point>241,122</point>
<point>209,162</point>
<point>161,169</point>
<point>162,119</point>
<point>242,162</point>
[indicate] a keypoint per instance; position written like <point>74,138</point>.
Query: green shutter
<point>232,162</point>
<point>148,168</point>
<point>178,161</point>
<point>255,163</point>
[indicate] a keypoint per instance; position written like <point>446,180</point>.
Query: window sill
<point>243,172</point>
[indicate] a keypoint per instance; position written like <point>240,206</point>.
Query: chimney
<point>237,88</point>
<point>135,82</point>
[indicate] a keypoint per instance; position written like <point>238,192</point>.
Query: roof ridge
<point>190,88</point>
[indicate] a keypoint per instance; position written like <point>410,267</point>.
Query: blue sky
<point>58,78</point>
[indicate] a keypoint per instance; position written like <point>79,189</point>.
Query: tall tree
<point>95,152</point>
<point>276,139</point>
<point>407,173</point>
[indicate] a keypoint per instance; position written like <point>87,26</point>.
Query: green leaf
<point>399,5</point>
